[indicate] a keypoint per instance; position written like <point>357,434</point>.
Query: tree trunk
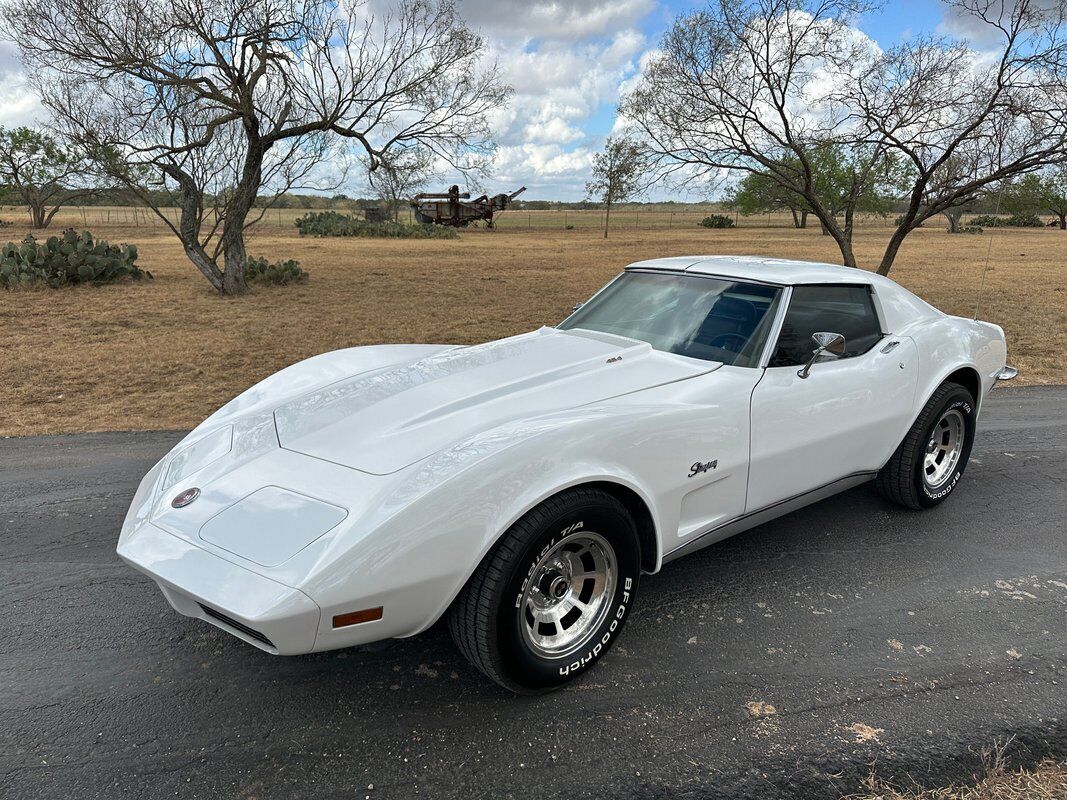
<point>200,260</point>
<point>848,257</point>
<point>954,216</point>
<point>1063,221</point>
<point>190,206</point>
<point>910,220</point>
<point>607,215</point>
<point>891,249</point>
<point>234,255</point>
<point>829,225</point>
<point>38,217</point>
<point>803,219</point>
<point>796,217</point>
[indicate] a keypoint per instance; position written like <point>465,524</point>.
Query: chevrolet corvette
<point>521,487</point>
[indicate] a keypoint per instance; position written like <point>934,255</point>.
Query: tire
<point>913,480</point>
<point>579,548</point>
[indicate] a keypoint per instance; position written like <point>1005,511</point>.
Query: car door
<point>847,416</point>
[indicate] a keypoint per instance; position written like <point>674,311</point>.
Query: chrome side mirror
<point>830,344</point>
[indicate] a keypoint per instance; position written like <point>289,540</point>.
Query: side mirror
<point>576,307</point>
<point>831,344</point>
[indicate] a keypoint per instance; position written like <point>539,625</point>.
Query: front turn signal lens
<point>357,617</point>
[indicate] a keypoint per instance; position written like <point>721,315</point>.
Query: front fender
<point>426,534</point>
<point>417,545</point>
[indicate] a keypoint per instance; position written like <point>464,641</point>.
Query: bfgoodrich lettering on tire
<point>929,463</point>
<point>553,595</point>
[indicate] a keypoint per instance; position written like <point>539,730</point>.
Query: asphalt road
<point>883,639</point>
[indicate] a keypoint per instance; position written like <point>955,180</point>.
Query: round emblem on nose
<point>185,498</point>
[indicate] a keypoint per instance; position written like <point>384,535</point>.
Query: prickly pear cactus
<point>72,258</point>
<point>259,270</point>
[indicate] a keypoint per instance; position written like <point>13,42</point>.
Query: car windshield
<point>713,319</point>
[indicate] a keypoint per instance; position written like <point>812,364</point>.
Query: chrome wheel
<point>568,595</point>
<point>944,448</point>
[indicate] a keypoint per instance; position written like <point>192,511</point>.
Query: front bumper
<point>262,612</point>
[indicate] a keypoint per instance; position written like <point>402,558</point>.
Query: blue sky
<point>567,62</point>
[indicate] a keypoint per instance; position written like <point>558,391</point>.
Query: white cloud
<point>552,129</point>
<point>559,85</point>
<point>548,170</point>
<point>563,21</point>
<point>983,35</point>
<point>18,106</point>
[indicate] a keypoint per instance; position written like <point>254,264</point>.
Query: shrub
<point>74,258</point>
<point>259,270</point>
<point>5,224</point>
<point>966,229</point>
<point>1025,221</point>
<point>330,223</point>
<point>717,221</point>
<point>1014,221</point>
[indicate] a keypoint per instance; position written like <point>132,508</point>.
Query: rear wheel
<point>551,598</point>
<point>930,461</point>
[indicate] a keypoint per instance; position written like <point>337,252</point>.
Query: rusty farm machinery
<point>455,208</point>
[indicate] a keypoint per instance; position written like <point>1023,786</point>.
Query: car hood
<point>383,420</point>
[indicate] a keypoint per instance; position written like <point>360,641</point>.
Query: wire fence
<point>583,220</point>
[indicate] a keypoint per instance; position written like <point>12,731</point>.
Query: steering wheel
<point>733,342</point>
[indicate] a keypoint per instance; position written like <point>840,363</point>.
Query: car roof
<point>785,272</point>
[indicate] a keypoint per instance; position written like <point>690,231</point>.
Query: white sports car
<point>521,487</point>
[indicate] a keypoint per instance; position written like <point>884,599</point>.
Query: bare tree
<point>401,175</point>
<point>742,86</point>
<point>963,121</point>
<point>761,86</point>
<point>40,173</point>
<point>619,174</point>
<point>225,102</point>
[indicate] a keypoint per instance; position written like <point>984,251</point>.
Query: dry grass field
<point>165,353</point>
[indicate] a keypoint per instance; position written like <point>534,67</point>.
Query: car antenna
<point>988,252</point>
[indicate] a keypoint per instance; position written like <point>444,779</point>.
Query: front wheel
<point>553,595</point>
<point>930,461</point>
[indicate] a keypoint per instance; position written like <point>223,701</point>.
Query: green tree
<point>845,181</point>
<point>1040,191</point>
<point>619,174</point>
<point>39,173</point>
<point>759,194</point>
